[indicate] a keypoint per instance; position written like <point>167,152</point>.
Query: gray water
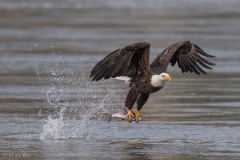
<point>50,109</point>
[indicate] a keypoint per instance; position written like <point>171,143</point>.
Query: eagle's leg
<point>142,99</point>
<point>130,100</point>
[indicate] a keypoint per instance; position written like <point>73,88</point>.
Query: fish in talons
<point>123,115</point>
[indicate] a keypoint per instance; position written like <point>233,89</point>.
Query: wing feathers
<point>193,69</point>
<point>184,63</point>
<point>205,61</point>
<point>100,75</point>
<point>105,62</point>
<point>110,65</point>
<point>124,69</point>
<point>186,54</point>
<point>113,69</point>
<point>129,58</point>
<point>196,66</point>
<point>179,65</point>
<point>174,59</point>
<point>202,52</point>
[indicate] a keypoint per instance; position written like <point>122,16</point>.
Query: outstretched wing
<point>186,54</point>
<point>131,60</point>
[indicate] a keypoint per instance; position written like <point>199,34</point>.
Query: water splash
<point>75,105</point>
<point>53,129</point>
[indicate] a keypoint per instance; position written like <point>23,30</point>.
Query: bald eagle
<point>131,64</point>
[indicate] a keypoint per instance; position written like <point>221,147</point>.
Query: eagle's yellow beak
<point>168,78</point>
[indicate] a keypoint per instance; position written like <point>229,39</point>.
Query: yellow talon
<point>137,116</point>
<point>130,115</point>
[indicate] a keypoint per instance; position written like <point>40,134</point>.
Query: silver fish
<point>122,115</point>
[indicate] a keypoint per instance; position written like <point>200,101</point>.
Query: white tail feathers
<point>126,79</point>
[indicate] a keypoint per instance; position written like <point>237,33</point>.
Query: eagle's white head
<point>159,80</point>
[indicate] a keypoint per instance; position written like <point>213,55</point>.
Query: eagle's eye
<point>163,76</point>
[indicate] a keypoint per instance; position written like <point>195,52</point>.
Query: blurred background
<point>48,48</point>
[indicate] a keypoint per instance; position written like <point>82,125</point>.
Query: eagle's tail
<point>126,79</point>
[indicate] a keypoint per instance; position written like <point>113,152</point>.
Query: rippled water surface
<point>50,109</point>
